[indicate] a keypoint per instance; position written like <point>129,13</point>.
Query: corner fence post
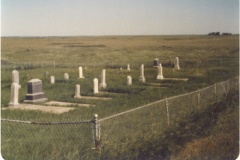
<point>96,131</point>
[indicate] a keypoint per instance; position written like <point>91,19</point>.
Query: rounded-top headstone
<point>15,76</point>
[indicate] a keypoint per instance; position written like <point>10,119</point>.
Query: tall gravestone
<point>142,77</point>
<point>95,85</point>
<point>15,76</point>
<point>14,94</point>
<point>77,91</point>
<point>103,79</point>
<point>176,64</point>
<point>34,92</point>
<point>129,80</point>
<point>160,72</point>
<point>80,70</point>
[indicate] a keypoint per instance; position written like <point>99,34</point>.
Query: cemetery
<point>109,79</point>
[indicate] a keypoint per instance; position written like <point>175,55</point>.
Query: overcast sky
<point>117,17</point>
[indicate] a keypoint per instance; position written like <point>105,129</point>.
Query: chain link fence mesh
<point>114,134</point>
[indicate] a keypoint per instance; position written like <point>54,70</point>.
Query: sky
<point>118,17</point>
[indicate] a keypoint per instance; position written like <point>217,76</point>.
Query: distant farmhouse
<point>218,34</point>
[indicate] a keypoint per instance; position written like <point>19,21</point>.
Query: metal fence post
<point>215,90</point>
<point>199,97</point>
<point>96,131</point>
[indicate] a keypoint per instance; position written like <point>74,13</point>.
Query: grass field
<point>204,60</point>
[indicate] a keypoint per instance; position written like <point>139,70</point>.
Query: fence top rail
<point>47,123</point>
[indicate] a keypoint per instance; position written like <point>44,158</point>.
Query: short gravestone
<point>128,67</point>
<point>129,80</point>
<point>160,73</point>
<point>156,62</point>
<point>34,92</point>
<point>66,76</point>
<point>15,76</point>
<point>103,79</point>
<point>95,85</point>
<point>14,94</point>
<point>142,77</point>
<point>77,91</point>
<point>176,64</point>
<point>52,79</point>
<point>46,74</point>
<point>80,72</point>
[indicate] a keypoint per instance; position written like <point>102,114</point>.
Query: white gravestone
<point>77,91</point>
<point>52,79</point>
<point>129,80</point>
<point>15,76</point>
<point>80,72</point>
<point>35,93</point>
<point>95,85</point>
<point>66,76</point>
<point>103,79</point>
<point>176,64</point>
<point>14,94</point>
<point>142,77</point>
<point>160,72</point>
<point>128,67</point>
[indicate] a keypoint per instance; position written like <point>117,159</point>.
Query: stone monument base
<point>35,98</point>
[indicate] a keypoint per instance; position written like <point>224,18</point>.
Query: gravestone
<point>34,92</point>
<point>15,76</point>
<point>129,80</point>
<point>66,76</point>
<point>14,94</point>
<point>176,64</point>
<point>103,79</point>
<point>160,73</point>
<point>46,74</point>
<point>52,79</point>
<point>142,77</point>
<point>95,85</point>
<point>80,72</point>
<point>77,91</point>
<point>156,62</point>
<point>120,69</point>
<point>128,67</point>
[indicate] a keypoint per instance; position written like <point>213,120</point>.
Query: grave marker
<point>15,76</point>
<point>176,64</point>
<point>80,72</point>
<point>14,94</point>
<point>77,91</point>
<point>160,73</point>
<point>156,62</point>
<point>142,77</point>
<point>34,92</point>
<point>103,79</point>
<point>52,79</point>
<point>95,85</point>
<point>66,76</point>
<point>129,80</point>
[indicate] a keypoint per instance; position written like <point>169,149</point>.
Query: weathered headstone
<point>129,80</point>
<point>14,94</point>
<point>95,85</point>
<point>156,62</point>
<point>176,64</point>
<point>128,67</point>
<point>142,77</point>
<point>160,73</point>
<point>103,79</point>
<point>80,72</point>
<point>77,91</point>
<point>66,76</point>
<point>34,92</point>
<point>120,69</point>
<point>46,74</point>
<point>15,76</point>
<point>52,79</point>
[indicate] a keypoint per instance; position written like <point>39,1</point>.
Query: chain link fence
<point>114,134</point>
